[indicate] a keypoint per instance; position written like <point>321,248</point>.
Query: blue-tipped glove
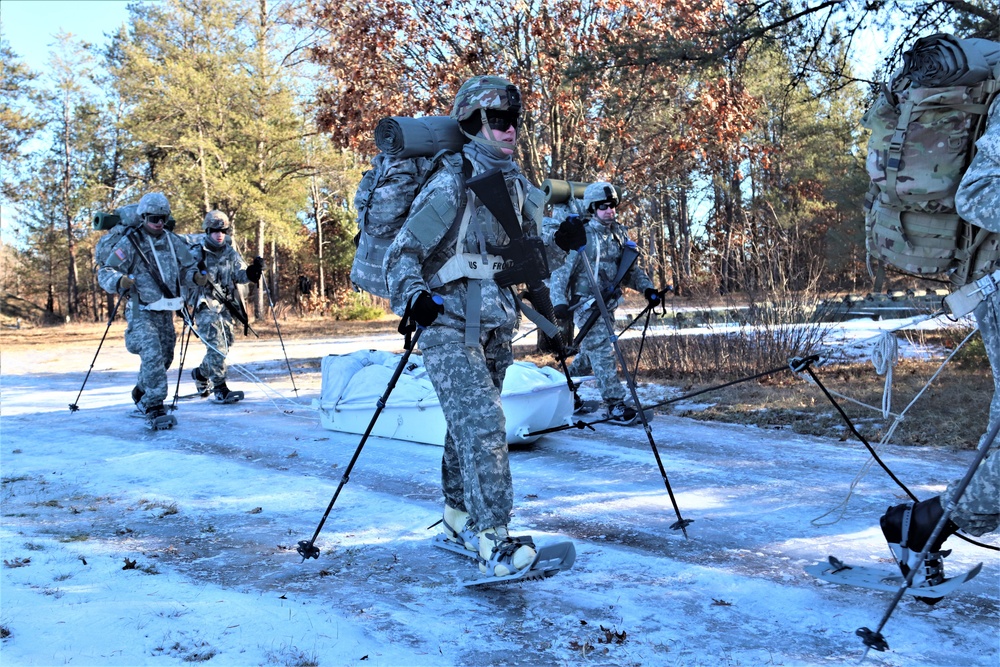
<point>425,308</point>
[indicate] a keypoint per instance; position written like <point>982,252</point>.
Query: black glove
<point>425,308</point>
<point>571,234</point>
<point>255,270</point>
<point>652,296</point>
<point>561,311</point>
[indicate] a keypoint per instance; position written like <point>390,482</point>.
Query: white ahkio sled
<point>534,399</point>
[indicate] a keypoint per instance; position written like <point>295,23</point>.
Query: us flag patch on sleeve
<point>120,254</point>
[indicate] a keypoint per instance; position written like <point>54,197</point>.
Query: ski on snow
<point>836,571</point>
<point>550,560</point>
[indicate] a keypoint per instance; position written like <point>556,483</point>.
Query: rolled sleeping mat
<point>105,221</point>
<point>404,137</point>
<point>558,192</point>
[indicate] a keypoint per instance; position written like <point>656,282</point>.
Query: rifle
<point>526,255</point>
<point>629,255</point>
<point>239,314</point>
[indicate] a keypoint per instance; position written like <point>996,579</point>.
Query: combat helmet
<point>598,193</point>
<point>153,203</point>
<point>485,92</point>
<point>216,220</point>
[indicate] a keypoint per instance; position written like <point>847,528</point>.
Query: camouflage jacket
<point>978,196</point>
<point>169,255</point>
<point>424,244</point>
<point>570,283</point>
<point>226,269</point>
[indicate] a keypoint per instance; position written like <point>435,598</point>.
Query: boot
<point>622,414</point>
<point>137,394</point>
<point>456,528</point>
<point>500,554</point>
<point>906,528</point>
<point>157,418</point>
<point>224,395</point>
<point>201,383</point>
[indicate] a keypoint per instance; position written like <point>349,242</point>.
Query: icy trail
<point>210,513</point>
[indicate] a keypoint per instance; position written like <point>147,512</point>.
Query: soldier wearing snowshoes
<point>155,269</point>
<point>469,323</point>
<point>604,240</point>
<point>908,526</point>
<point>226,271</point>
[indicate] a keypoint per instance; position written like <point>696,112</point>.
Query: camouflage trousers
<point>597,349</point>
<point>475,470</point>
<point>151,335</point>
<point>216,331</point>
<point>978,510</point>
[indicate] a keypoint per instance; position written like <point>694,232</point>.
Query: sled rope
<point>885,356</point>
<point>841,508</point>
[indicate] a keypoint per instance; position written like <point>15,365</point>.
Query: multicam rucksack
<point>924,128</point>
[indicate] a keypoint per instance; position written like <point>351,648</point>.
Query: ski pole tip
<point>307,549</point>
<point>872,639</point>
<point>73,407</point>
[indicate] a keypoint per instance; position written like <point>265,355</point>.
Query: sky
<point>124,547</point>
<point>29,25</point>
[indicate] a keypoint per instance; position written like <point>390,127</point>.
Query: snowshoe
<point>548,562</point>
<point>907,528</point>
<point>622,415</point>
<point>837,572</point>
<point>201,383</point>
<point>224,395</point>
<point>157,419</point>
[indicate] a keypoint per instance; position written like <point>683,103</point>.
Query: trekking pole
<point>681,523</point>
<point>267,290</point>
<point>180,369</point>
<point>307,548</point>
<point>73,407</point>
<point>873,639</point>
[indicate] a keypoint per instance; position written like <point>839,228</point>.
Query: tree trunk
<point>258,304</point>
<point>72,277</point>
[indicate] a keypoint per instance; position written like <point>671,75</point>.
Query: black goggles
<point>604,206</point>
<point>501,121</point>
<point>218,231</point>
<point>155,219</point>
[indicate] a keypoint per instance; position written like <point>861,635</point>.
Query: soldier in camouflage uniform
<point>907,526</point>
<point>156,269</point>
<point>467,340</point>
<point>226,272</point>
<point>605,240</point>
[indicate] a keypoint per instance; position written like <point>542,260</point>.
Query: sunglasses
<point>219,231</point>
<point>156,220</point>
<point>604,206</point>
<point>501,121</point>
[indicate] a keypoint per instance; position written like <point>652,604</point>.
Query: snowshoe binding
<point>224,395</point>
<point>157,418</point>
<point>201,383</point>
<point>622,415</point>
<point>456,535</point>
<point>907,528</point>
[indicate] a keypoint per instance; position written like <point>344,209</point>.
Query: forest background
<point>734,128</point>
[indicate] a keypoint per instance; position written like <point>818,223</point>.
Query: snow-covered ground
<point>127,547</point>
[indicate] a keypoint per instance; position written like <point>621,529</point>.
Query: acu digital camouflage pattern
<point>227,269</point>
<point>475,468</point>
<point>383,201</point>
<point>920,145</point>
<point>485,92</point>
<point>978,200</point>
<point>570,283</point>
<point>176,265</point>
<point>468,381</point>
<point>151,335</point>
